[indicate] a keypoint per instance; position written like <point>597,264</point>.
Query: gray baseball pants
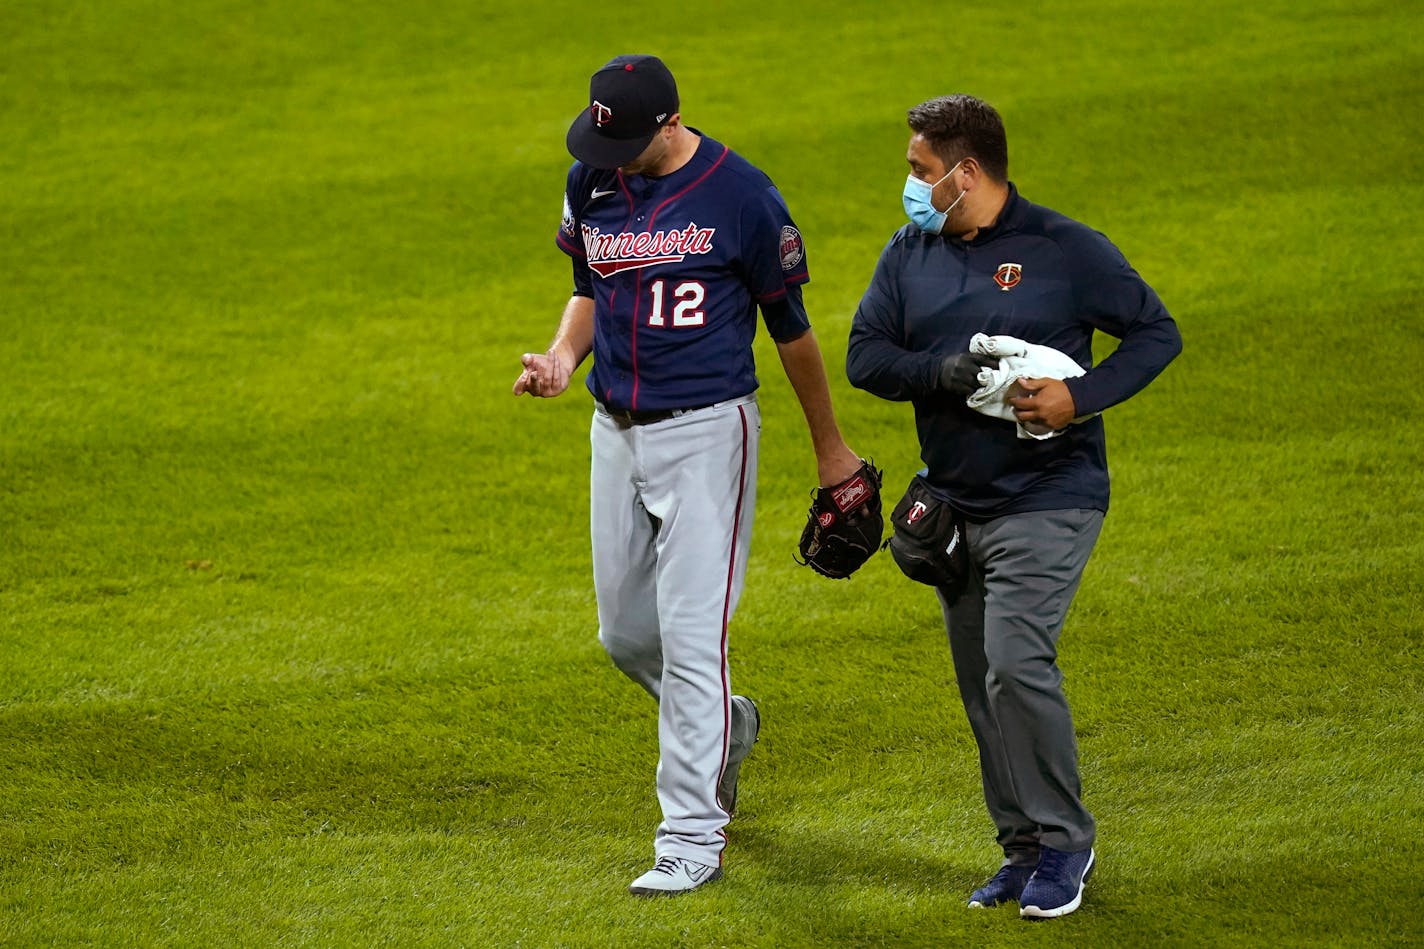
<point>1003,635</point>
<point>671,519</point>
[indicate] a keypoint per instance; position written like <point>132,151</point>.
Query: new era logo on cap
<point>629,100</point>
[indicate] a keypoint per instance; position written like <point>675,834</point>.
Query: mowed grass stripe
<point>296,634</point>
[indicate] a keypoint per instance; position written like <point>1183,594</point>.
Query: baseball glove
<point>844,525</point>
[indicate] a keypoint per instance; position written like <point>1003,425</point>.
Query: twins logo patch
<point>1008,276</point>
<point>792,249</point>
<point>602,114</point>
<point>917,511</point>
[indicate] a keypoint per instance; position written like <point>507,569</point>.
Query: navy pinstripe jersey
<point>678,266</point>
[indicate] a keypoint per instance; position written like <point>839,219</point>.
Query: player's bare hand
<point>838,465</point>
<point>1046,404</point>
<point>545,374</point>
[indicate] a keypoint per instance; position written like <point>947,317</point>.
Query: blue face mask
<point>920,207</point>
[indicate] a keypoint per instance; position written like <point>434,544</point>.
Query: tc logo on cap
<point>602,114</point>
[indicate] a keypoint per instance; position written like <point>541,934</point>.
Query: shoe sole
<point>1034,912</point>
<point>733,771</point>
<point>646,891</point>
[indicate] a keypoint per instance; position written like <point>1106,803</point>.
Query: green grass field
<point>297,640</point>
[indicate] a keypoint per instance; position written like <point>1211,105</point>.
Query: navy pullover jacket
<point>930,294</point>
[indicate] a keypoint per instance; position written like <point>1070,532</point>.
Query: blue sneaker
<point>1056,887</point>
<point>1004,886</point>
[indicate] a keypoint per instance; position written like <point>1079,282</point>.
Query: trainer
<point>978,258</point>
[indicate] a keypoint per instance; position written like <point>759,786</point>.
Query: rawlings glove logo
<point>851,493</point>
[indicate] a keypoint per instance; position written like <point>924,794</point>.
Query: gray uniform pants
<point>671,519</point>
<point>1003,635</point>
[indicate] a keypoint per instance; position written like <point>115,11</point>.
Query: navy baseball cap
<point>629,99</point>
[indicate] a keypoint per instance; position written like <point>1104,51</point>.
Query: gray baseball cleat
<point>746,726</point>
<point>673,875</point>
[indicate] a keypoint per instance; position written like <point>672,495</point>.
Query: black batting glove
<point>959,374</point>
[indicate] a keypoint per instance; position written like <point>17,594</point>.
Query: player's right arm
<point>547,374</point>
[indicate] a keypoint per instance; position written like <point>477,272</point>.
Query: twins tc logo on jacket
<point>1008,276</point>
<point>609,254</point>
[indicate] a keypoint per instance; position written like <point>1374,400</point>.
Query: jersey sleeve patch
<point>567,223</point>
<point>793,250</point>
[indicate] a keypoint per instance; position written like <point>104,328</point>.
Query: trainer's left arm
<point>1112,297</point>
<point>1108,295</point>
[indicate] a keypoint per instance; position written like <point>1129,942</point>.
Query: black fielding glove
<point>844,526</point>
<point>959,374</point>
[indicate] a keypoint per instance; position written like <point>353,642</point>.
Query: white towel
<point>1017,360</point>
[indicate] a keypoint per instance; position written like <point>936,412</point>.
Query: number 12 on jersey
<point>686,304</point>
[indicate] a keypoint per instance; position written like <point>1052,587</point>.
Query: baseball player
<point>676,241</point>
